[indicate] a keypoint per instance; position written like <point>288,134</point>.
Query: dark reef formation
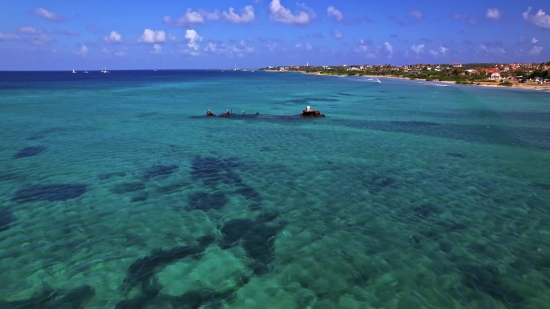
<point>213,172</point>
<point>6,218</point>
<point>257,238</point>
<point>51,192</point>
<point>159,170</point>
<point>50,299</point>
<point>29,152</point>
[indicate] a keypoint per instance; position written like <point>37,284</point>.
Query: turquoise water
<point>117,192</point>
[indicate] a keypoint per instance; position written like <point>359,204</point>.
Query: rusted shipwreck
<point>307,113</point>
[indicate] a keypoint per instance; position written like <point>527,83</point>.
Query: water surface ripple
<point>117,192</point>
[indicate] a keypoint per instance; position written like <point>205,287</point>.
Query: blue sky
<point>62,35</point>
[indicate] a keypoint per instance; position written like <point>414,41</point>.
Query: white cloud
<point>172,38</point>
<point>151,36</point>
<point>192,40</point>
<point>83,50</point>
<point>362,46</point>
<point>279,13</point>
<point>337,34</point>
<point>304,47</point>
<point>246,16</point>
<point>9,37</point>
<point>416,13</point>
<point>332,11</point>
<point>215,15</point>
<point>497,50</point>
<point>536,50</point>
<point>389,47</point>
<point>191,17</point>
<point>441,51</point>
<point>541,19</point>
<point>113,37</point>
<point>29,30</point>
<point>535,41</point>
<point>157,49</point>
<point>229,50</point>
<point>42,12</point>
<point>493,13</point>
<point>418,48</point>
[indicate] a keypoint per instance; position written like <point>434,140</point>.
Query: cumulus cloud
<point>493,13</point>
<point>9,37</point>
<point>191,17</point>
<point>337,34</point>
<point>280,14</point>
<point>29,30</point>
<point>540,19</point>
<point>535,41</point>
<point>229,50</point>
<point>157,49</point>
<point>193,39</point>
<point>363,47</point>
<point>441,51</point>
<point>247,15</point>
<point>417,13</point>
<point>113,37</point>
<point>536,50</point>
<point>151,36</point>
<point>83,50</point>
<point>51,16</point>
<point>332,11</point>
<point>418,48</point>
<point>492,50</point>
<point>389,47</point>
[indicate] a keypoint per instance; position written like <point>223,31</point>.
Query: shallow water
<point>407,195</point>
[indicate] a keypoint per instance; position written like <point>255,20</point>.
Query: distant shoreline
<point>481,84</point>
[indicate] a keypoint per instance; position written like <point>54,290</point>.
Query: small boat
<point>74,71</point>
<point>86,72</point>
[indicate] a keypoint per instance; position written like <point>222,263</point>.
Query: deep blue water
<point>116,191</point>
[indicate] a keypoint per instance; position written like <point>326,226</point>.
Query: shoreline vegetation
<point>451,75</point>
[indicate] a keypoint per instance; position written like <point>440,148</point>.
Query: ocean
<point>117,191</point>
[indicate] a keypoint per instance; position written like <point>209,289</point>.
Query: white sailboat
<point>104,70</point>
<point>74,71</point>
<point>86,72</point>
